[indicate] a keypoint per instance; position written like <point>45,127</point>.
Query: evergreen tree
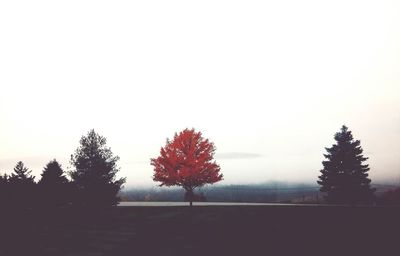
<point>4,189</point>
<point>95,172</point>
<point>3,180</point>
<point>54,187</point>
<point>22,174</point>
<point>344,177</point>
<point>53,174</point>
<point>22,187</point>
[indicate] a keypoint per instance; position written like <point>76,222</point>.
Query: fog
<point>268,83</point>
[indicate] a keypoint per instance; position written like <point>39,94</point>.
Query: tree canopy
<point>186,161</point>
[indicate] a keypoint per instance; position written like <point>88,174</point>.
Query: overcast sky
<point>269,83</point>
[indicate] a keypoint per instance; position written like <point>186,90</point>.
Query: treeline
<point>390,197</point>
<point>275,192</point>
<point>91,183</point>
<point>20,189</point>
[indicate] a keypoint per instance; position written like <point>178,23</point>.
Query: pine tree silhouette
<point>22,174</point>
<point>22,187</point>
<point>344,177</point>
<point>95,172</point>
<point>54,187</point>
<point>4,190</point>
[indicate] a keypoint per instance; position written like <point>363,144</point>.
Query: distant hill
<point>268,192</point>
<point>273,192</point>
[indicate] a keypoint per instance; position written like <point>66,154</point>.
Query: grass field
<point>207,230</point>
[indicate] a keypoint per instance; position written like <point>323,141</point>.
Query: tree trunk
<point>189,196</point>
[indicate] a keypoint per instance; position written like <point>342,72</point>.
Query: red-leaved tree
<point>186,161</point>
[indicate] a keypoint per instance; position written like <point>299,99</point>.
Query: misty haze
<point>199,128</point>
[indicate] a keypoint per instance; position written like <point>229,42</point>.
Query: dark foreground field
<point>211,230</point>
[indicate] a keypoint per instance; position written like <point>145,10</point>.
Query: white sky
<point>268,82</point>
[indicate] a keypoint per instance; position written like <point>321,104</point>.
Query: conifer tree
<point>53,174</point>
<point>344,177</point>
<point>3,180</point>
<point>4,189</point>
<point>22,187</point>
<point>54,187</point>
<point>22,174</point>
<point>95,172</point>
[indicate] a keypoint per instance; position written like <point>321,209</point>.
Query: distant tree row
<point>92,182</point>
